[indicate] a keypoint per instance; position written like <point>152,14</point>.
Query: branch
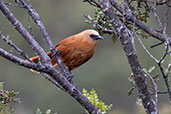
<point>105,30</point>
<point>68,87</point>
<point>56,77</point>
<point>36,18</point>
<point>155,89</point>
<point>156,16</point>
<point>21,52</point>
<point>165,77</point>
<point>155,45</point>
<point>26,35</point>
<point>146,49</point>
<point>130,52</point>
<point>93,3</point>
<point>158,2</point>
<point>139,24</point>
<point>9,42</point>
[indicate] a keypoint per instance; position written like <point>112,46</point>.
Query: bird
<point>75,50</point>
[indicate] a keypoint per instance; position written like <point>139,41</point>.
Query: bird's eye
<point>93,36</point>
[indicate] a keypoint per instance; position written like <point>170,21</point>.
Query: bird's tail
<point>36,60</point>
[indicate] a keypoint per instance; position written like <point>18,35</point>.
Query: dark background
<point>107,72</point>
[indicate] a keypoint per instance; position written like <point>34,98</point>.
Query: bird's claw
<point>55,53</point>
<point>69,78</point>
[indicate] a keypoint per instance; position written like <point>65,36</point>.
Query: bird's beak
<point>99,37</point>
<point>95,37</point>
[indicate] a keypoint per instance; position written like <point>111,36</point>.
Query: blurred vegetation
<point>7,97</point>
<point>38,111</point>
<point>93,98</point>
<point>107,72</point>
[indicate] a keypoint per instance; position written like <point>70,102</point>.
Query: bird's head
<point>91,35</point>
<point>94,35</point>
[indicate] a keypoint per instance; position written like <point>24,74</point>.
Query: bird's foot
<point>69,78</point>
<point>55,53</point>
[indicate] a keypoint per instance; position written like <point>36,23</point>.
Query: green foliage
<point>133,85</point>
<point>48,111</point>
<point>7,97</point>
<point>143,34</point>
<point>1,86</point>
<point>142,10</point>
<point>103,22</point>
<point>114,38</point>
<point>150,69</point>
<point>93,98</point>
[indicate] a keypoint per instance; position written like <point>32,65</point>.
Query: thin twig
<point>71,89</point>
<point>105,30</point>
<point>162,92</point>
<point>52,80</point>
<point>13,5</point>
<point>36,18</point>
<point>146,50</point>
<point>155,45</point>
<point>46,68</point>
<point>167,40</point>
<point>158,2</point>
<point>156,16</point>
<point>9,42</point>
<point>128,10</point>
<point>29,23</point>
<point>139,24</point>
<point>26,35</point>
<point>131,35</point>
<point>93,3</point>
<point>130,52</point>
<point>29,26</point>
<point>165,20</point>
<point>136,9</point>
<point>165,77</point>
<point>155,88</point>
<point>21,52</point>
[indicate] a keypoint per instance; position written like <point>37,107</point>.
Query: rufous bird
<point>75,50</point>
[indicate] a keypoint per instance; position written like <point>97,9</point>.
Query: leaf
<point>48,111</point>
<point>93,98</point>
<point>139,102</point>
<point>38,111</point>
<point>143,34</point>
<point>114,38</point>
<point>151,69</point>
<point>131,90</point>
